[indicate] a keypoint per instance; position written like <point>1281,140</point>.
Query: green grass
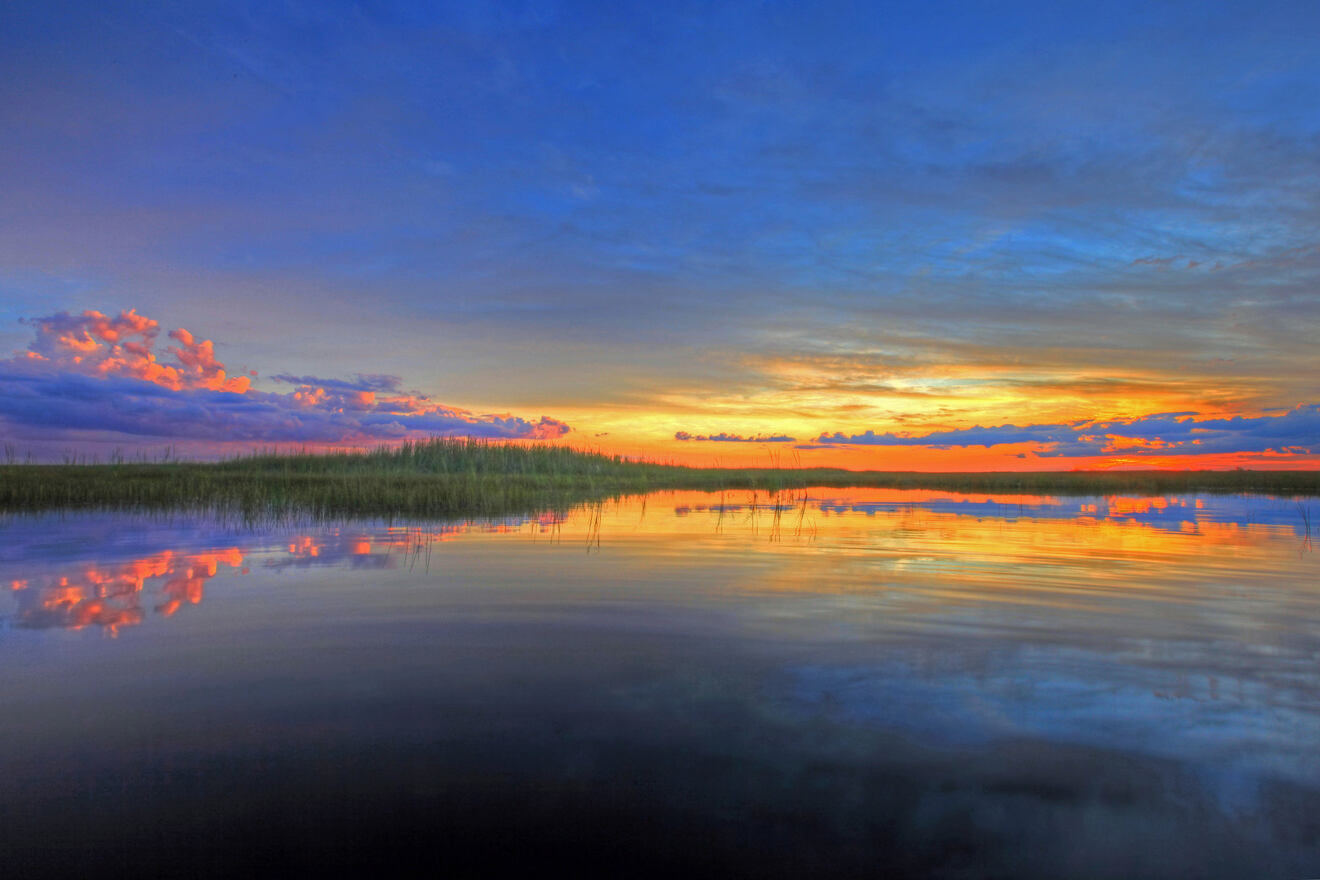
<point>464,477</point>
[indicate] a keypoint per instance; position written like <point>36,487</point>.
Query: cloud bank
<point>92,372</point>
<point>1296,431</point>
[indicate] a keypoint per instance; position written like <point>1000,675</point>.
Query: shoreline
<point>449,477</point>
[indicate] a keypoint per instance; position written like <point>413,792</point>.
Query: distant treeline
<point>466,477</point>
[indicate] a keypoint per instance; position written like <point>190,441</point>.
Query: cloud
<point>358,382</point>
<point>981,205</point>
<point>95,344</point>
<point>1296,431</point>
<point>735,438</point>
<point>93,373</point>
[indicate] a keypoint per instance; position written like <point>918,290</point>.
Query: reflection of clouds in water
<point>93,570</point>
<point>1171,512</point>
<point>1166,523</point>
<point>1237,736</point>
<point>334,549</point>
<point>110,596</point>
<point>385,548</point>
<point>1205,715</point>
<point>131,573</point>
<point>1052,661</point>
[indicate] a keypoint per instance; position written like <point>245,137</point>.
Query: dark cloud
<point>63,402</point>
<point>1296,431</point>
<point>93,373</point>
<point>356,382</point>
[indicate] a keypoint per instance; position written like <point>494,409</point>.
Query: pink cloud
<point>200,366</point>
<point>90,374</point>
<point>93,343</point>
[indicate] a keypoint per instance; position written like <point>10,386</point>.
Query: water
<point>837,682</point>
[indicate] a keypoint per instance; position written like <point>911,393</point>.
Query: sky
<point>918,235</point>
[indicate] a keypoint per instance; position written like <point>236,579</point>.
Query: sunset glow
<point>114,595</point>
<point>705,438</point>
<point>1062,243</point>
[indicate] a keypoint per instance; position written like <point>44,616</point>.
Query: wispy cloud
<point>1296,431</point>
<point>723,437</point>
<point>356,382</point>
<point>799,231</point>
<point>94,373</point>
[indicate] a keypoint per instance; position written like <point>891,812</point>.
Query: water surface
<point>869,682</point>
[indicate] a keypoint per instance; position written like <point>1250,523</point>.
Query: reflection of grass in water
<point>442,477</point>
<point>1304,511</point>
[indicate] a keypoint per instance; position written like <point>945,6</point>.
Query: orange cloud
<point>204,371</point>
<point>93,343</point>
<point>109,596</point>
<point>85,372</point>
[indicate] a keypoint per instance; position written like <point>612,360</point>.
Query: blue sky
<point>736,218</point>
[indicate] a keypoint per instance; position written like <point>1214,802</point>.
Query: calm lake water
<point>840,682</point>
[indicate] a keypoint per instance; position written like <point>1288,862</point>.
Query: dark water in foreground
<point>855,682</point>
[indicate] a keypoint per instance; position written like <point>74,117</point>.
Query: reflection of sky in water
<point>1172,512</point>
<point>1234,730</point>
<point>78,570</point>
<point>1181,630</point>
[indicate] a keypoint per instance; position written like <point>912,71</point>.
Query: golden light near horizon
<point>826,259</point>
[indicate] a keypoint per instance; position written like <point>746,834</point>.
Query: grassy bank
<point>449,477</point>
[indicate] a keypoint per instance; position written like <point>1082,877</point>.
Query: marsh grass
<point>445,477</point>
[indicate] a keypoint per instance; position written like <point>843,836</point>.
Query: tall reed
<point>447,476</point>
